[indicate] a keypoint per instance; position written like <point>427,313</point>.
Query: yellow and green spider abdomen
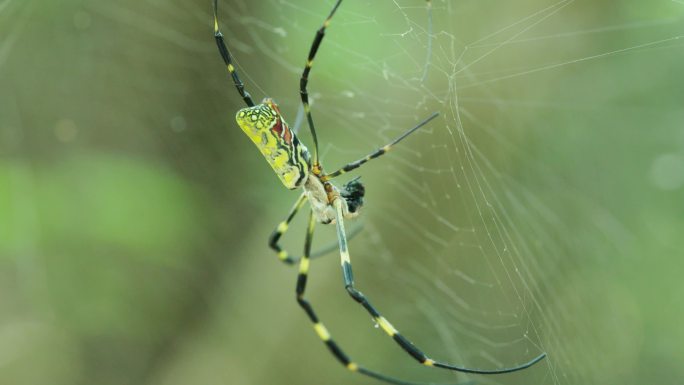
<point>288,157</point>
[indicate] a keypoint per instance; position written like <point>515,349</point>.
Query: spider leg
<point>282,227</point>
<point>382,150</point>
<point>305,79</point>
<point>405,344</point>
<point>318,326</point>
<point>225,54</point>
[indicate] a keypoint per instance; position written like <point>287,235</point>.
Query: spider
<point>298,168</point>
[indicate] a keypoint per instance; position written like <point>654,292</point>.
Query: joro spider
<point>296,168</point>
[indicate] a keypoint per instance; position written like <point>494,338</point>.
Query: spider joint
<point>355,294</point>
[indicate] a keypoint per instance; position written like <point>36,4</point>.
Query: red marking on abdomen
<point>282,130</point>
<point>287,135</point>
<point>278,127</point>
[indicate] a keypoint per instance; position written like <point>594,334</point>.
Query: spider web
<point>464,238</point>
<point>487,237</point>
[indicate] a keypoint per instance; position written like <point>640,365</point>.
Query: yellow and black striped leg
<point>225,54</point>
<point>282,228</point>
<point>305,80</point>
<point>402,341</point>
<point>382,150</point>
<point>301,288</point>
<point>318,326</point>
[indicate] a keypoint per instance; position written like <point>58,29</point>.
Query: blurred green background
<point>543,210</point>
